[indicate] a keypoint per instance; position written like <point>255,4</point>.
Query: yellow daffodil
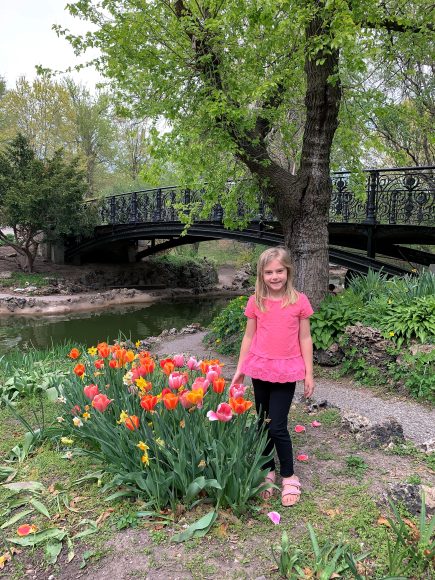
<point>66,441</point>
<point>145,459</point>
<point>92,350</point>
<point>122,417</point>
<point>142,446</point>
<point>160,442</point>
<point>142,384</point>
<point>137,343</point>
<point>86,416</point>
<point>391,333</point>
<point>77,422</point>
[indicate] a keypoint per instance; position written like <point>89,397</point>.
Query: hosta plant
<point>170,430</point>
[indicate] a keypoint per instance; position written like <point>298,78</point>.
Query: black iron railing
<point>402,196</point>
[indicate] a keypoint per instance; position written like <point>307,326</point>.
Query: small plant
<point>411,320</point>
<point>356,466</point>
<point>330,320</point>
<point>228,327</point>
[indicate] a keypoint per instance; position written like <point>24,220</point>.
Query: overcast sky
<point>26,40</point>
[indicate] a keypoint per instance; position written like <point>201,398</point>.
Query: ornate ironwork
<point>403,196</point>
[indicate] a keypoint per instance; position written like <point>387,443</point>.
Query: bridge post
<point>134,207</point>
<point>370,221</point>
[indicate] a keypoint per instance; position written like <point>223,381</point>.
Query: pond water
<point>133,321</point>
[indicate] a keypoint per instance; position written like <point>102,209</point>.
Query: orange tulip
<point>170,401</point>
<point>148,402</point>
<point>79,370</point>
<point>219,385</point>
<point>195,397</point>
<point>132,422</point>
<point>103,349</point>
<point>99,364</point>
<point>147,364</point>
<point>240,405</point>
<point>167,365</point>
<point>74,353</point>
<point>26,529</point>
<point>113,364</point>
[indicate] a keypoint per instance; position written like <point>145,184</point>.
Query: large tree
<point>40,200</point>
<point>253,88</point>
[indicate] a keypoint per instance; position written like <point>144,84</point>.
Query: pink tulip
<point>299,429</point>
<point>200,383</point>
<point>315,424</point>
<point>302,457</point>
<point>177,380</point>
<point>101,402</point>
<point>184,401</point>
<point>211,376</point>
<point>237,390</point>
<point>193,364</point>
<point>90,391</point>
<point>223,413</point>
<point>275,517</point>
<point>216,368</point>
<point>178,360</point>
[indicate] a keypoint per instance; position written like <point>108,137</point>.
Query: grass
<point>21,280</point>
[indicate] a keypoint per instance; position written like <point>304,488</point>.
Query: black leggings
<point>274,400</point>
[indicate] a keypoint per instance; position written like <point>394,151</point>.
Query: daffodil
<point>92,350</point>
<point>66,441</point>
<point>160,442</point>
<point>86,416</point>
<point>122,417</point>
<point>77,422</point>
<point>391,333</point>
<point>142,446</point>
<point>145,459</point>
<point>137,343</point>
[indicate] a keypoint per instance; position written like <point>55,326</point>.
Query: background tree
<point>41,200</point>
<point>228,77</point>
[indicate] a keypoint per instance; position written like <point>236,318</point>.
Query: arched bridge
<point>394,209</point>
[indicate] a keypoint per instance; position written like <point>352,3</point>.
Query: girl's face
<point>275,278</point>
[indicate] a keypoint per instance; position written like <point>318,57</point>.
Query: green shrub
<point>416,373</point>
<point>332,317</point>
<point>228,328</point>
<point>412,320</point>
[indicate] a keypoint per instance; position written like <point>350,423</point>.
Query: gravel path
<point>418,421</point>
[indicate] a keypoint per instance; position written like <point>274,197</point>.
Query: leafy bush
<point>228,328</point>
<point>416,373</point>
<point>165,445</point>
<point>412,320</point>
<point>332,317</point>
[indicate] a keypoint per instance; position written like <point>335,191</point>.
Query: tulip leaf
<point>39,537</point>
<point>198,529</point>
<point>52,551</point>
<point>70,547</point>
<point>40,507</point>
<point>7,473</point>
<point>52,394</point>
<point>198,485</point>
<point>15,518</point>
<point>17,486</point>
<point>93,527</point>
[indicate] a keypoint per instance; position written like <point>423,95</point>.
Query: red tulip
<point>101,402</point>
<point>148,402</point>
<point>113,364</point>
<point>90,391</point>
<point>239,405</point>
<point>167,365</point>
<point>132,422</point>
<point>299,429</point>
<point>74,353</point>
<point>79,370</point>
<point>170,401</point>
<point>99,364</point>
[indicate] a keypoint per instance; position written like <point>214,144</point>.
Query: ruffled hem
<point>274,370</point>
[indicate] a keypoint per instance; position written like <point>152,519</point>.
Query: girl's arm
<point>251,327</point>
<point>306,344</point>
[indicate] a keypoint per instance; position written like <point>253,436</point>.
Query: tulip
<point>179,360</point>
<point>103,349</point>
<point>222,413</point>
<point>99,364</point>
<point>74,353</point>
<point>101,402</point>
<point>90,391</point>
<point>167,364</point>
<point>113,364</point>
<point>132,422</point>
<point>186,403</point>
<point>79,370</point>
<point>239,405</point>
<point>177,380</point>
<point>193,364</point>
<point>237,390</point>
<point>315,424</point>
<point>76,410</point>
<point>195,397</point>
<point>219,385</point>
<point>148,402</point>
<point>275,517</point>
<point>302,457</point>
<point>147,365</point>
<point>211,376</point>
<point>299,429</point>
<point>170,401</point>
<point>26,529</point>
<point>215,368</point>
<point>200,383</point>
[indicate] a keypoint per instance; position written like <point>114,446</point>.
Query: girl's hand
<point>308,386</point>
<point>237,378</point>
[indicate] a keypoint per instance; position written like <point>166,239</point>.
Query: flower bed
<point>168,430</point>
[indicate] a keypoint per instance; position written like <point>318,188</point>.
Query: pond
<point>133,321</point>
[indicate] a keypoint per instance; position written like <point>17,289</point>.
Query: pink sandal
<point>291,491</point>
<point>268,493</point>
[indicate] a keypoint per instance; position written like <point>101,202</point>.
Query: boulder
<point>382,434</point>
<point>427,446</point>
<point>408,494</point>
<point>355,423</point>
<point>330,357</point>
<point>369,341</point>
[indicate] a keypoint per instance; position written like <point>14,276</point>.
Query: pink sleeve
<point>305,307</point>
<point>250,308</point>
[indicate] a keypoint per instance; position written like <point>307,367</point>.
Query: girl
<point>277,351</point>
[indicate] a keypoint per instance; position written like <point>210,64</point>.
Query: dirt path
<point>418,421</point>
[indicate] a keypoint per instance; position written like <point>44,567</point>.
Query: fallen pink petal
<point>275,517</point>
<point>302,457</point>
<point>315,424</point>
<point>299,429</point>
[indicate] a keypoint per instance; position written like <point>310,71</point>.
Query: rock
<point>19,290</point>
<point>313,407</point>
<point>409,494</point>
<point>369,341</point>
<point>421,348</point>
<point>5,275</point>
<point>427,446</point>
<point>382,434</point>
<point>355,423</point>
<point>32,288</point>
<point>429,496</point>
<point>330,357</point>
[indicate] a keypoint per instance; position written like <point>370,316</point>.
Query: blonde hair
<point>261,291</point>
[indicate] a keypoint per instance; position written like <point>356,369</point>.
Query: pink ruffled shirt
<point>275,353</point>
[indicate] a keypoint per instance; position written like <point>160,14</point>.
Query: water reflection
<point>135,321</point>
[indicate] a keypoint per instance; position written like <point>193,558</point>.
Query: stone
<point>382,434</point>
<point>415,349</point>
<point>427,446</point>
<point>330,357</point>
<point>355,423</point>
<point>429,497</point>
<point>371,342</point>
<point>409,494</point>
<point>5,275</point>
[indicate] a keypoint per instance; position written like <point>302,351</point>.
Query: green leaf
<point>15,518</point>
<point>17,486</point>
<point>197,529</point>
<point>71,552</point>
<point>52,551</point>
<point>40,507</point>
<point>39,537</point>
<point>88,531</point>
<point>52,394</point>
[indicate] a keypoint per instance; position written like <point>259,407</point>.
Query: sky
<point>26,40</point>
